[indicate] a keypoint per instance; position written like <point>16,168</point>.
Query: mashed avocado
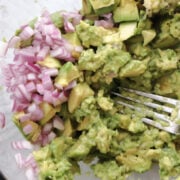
<point>138,49</point>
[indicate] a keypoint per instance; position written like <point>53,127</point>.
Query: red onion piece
<point>103,23</point>
<point>40,88</point>
<point>61,53</point>
<point>51,72</point>
<point>70,85</point>
<point>14,41</point>
<point>51,136</point>
<point>37,98</point>
<point>30,87</point>
<point>58,123</point>
<point>43,53</point>
<point>2,120</point>
<point>26,33</point>
<point>47,128</point>
<point>35,111</point>
<point>28,129</point>
<point>33,67</point>
<point>68,26</point>
<point>25,117</point>
<point>3,49</point>
<point>30,174</point>
<point>20,145</point>
<point>19,160</point>
<point>24,91</point>
<point>47,83</point>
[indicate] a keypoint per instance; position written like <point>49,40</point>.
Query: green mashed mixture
<point>141,51</point>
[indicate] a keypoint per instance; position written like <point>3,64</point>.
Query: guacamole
<point>115,43</point>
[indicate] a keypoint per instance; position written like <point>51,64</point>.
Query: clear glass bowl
<point>12,15</point>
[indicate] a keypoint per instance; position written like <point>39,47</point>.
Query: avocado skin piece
<point>78,93</point>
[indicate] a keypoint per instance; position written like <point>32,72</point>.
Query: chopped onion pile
<point>31,84</point>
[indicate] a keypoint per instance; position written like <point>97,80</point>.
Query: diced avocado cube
<point>72,38</point>
<point>148,36</point>
<point>49,112</point>
<point>86,7</point>
<point>132,69</point>
<point>50,62</point>
<point>84,124</point>
<point>98,4</point>
<point>57,19</point>
<point>78,94</point>
<point>127,11</point>
<point>68,128</point>
<point>127,30</point>
<point>67,73</point>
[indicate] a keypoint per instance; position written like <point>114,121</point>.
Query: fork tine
<point>147,112</point>
<point>174,128</point>
<point>153,96</point>
<point>149,104</point>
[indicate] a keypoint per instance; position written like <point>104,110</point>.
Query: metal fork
<point>170,109</point>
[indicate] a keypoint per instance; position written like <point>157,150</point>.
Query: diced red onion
<point>62,53</point>
<point>30,161</point>
<point>47,82</point>
<point>14,41</point>
<point>35,111</point>
<point>33,67</point>
<point>2,120</point>
<point>40,88</point>
<point>62,97</point>
<point>30,174</point>
<point>47,128</point>
<point>20,145</point>
<point>19,160</point>
<point>68,26</point>
<point>30,87</point>
<point>24,91</point>
<point>71,85</point>
<point>51,136</point>
<point>43,53</point>
<point>25,117</point>
<point>37,98</point>
<point>31,76</point>
<point>26,33</point>
<point>58,123</point>
<point>19,106</point>
<point>3,49</point>
<point>103,23</point>
<point>51,72</point>
<point>48,96</point>
<point>27,129</point>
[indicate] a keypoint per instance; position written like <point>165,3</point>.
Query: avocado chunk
<point>102,7</point>
<point>72,38</point>
<point>127,11</point>
<point>86,7</point>
<point>68,128</point>
<point>67,73</point>
<point>50,62</point>
<point>148,36</point>
<point>57,19</point>
<point>78,94</point>
<point>127,30</point>
<point>48,111</point>
<point>132,69</point>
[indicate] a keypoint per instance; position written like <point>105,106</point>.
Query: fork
<point>170,114</point>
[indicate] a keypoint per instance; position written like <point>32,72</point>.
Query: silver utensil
<point>160,112</point>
